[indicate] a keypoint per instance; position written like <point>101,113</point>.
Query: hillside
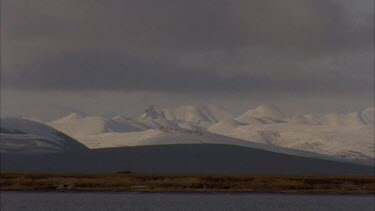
<point>180,158</point>
<point>21,136</point>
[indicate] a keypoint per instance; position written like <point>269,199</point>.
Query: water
<point>170,201</point>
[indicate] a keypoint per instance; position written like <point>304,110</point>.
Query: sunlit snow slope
<point>348,136</point>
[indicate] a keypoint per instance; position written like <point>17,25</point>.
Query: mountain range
<point>339,137</point>
<point>343,136</point>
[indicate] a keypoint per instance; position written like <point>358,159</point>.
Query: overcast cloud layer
<point>233,46</point>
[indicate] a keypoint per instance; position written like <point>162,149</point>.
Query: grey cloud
<point>153,45</point>
<point>185,24</point>
<point>90,70</point>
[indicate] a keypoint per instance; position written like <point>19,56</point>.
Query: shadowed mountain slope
<point>181,158</point>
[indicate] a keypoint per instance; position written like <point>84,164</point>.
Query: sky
<point>116,57</point>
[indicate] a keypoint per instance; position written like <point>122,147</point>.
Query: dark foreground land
<point>180,159</point>
<point>117,182</point>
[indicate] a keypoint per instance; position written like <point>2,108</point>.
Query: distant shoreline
<point>208,192</point>
<point>187,183</point>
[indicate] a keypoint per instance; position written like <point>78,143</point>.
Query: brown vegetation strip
<point>186,183</point>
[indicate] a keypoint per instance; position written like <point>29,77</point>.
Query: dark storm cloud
<point>90,70</point>
<point>187,24</point>
<point>175,45</point>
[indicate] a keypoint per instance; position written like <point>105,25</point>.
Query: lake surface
<point>171,201</point>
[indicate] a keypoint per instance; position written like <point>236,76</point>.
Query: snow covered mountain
<point>23,136</point>
<point>347,136</point>
<point>368,115</point>
<point>77,125</point>
<point>201,116</point>
<point>263,114</point>
<point>152,119</point>
<point>337,136</point>
<point>171,136</point>
<point>333,119</point>
<point>188,117</point>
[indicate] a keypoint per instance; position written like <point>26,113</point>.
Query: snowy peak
<point>368,115</point>
<point>70,117</point>
<point>152,113</point>
<point>193,114</point>
<point>119,118</point>
<point>342,119</point>
<point>263,114</point>
<point>77,125</point>
<point>225,125</point>
<point>266,111</point>
<point>154,119</point>
<point>203,116</point>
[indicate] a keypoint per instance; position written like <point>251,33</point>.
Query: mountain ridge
<point>345,136</point>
